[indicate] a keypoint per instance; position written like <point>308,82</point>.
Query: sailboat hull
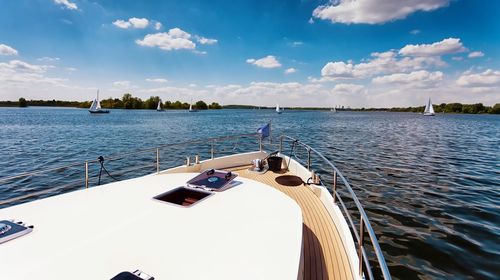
<point>99,111</point>
<point>429,114</point>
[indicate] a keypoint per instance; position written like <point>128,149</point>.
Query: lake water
<point>430,185</point>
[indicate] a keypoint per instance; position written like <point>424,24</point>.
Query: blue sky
<point>297,53</point>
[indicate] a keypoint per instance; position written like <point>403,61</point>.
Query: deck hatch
<point>183,196</point>
<point>213,180</point>
<point>10,230</point>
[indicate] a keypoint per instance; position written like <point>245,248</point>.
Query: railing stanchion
<point>157,160</point>
<point>260,143</point>
<point>309,159</point>
<point>86,174</point>
<point>212,150</point>
<point>334,185</point>
<point>360,245</point>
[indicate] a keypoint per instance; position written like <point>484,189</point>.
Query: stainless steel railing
<point>213,148</point>
<point>365,269</point>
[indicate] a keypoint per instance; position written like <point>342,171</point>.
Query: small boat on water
<point>333,110</point>
<point>429,110</point>
<point>158,108</point>
<point>95,108</point>
<point>260,206</point>
<point>278,110</point>
<point>191,109</point>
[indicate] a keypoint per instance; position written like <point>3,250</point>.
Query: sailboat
<point>429,110</point>
<point>278,110</point>
<point>333,110</point>
<point>158,108</point>
<point>191,110</point>
<point>95,108</point>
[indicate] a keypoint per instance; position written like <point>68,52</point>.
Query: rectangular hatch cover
<point>213,180</point>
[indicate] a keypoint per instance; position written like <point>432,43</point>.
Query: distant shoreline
<point>131,103</point>
<point>487,110</point>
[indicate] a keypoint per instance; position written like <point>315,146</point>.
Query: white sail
<point>191,107</point>
<point>94,105</point>
<point>429,110</point>
<point>98,103</point>
<point>278,108</point>
<point>159,105</point>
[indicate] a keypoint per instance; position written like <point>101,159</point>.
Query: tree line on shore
<point>126,102</point>
<point>130,102</point>
<point>454,108</point>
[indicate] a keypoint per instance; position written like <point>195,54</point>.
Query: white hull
<point>117,227</point>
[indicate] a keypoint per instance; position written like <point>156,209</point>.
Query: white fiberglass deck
<point>250,231</point>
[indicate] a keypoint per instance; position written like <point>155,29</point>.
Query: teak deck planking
<point>325,256</point>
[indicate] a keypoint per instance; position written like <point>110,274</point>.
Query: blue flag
<point>264,131</point>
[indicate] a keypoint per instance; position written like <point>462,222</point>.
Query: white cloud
<point>122,24</point>
<point>337,69</point>
<point>488,78</point>
<point>71,69</point>
<point>7,50</point>
<point>139,23</point>
<point>157,80</point>
<point>200,52</point>
<point>297,43</point>
<point>415,31</point>
<point>373,11</point>
<point>158,25</point>
<point>476,54</point>
<point>457,58</point>
<point>417,78</point>
<point>348,89</point>
<point>17,75</point>
<point>380,63</point>
<point>174,39</point>
<point>290,70</point>
<point>205,41</point>
<point>269,61</point>
<point>310,21</point>
<point>179,33</point>
<point>446,46</point>
<point>48,59</point>
<point>67,4</point>
<point>124,84</point>
<point>18,65</point>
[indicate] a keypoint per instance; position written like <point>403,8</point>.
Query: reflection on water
<point>430,185</point>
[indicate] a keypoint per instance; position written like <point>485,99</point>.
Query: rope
<point>101,161</point>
